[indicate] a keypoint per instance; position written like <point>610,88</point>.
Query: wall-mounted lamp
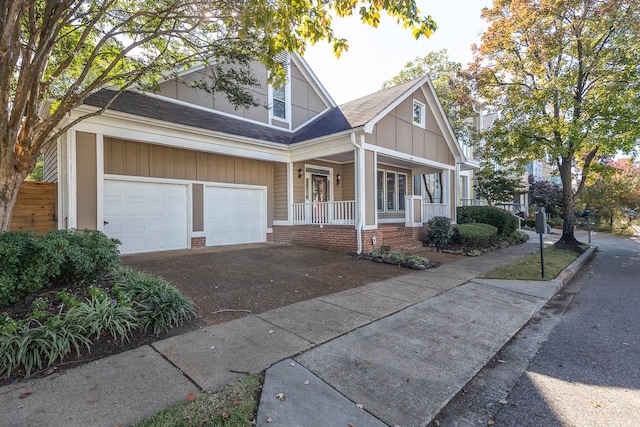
<point>300,173</point>
<point>338,179</point>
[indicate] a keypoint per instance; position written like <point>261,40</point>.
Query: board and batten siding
<point>280,200</point>
<point>396,131</point>
<point>122,157</point>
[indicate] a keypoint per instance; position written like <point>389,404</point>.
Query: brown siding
<point>280,211</point>
<point>396,131</point>
<point>198,207</point>
<point>87,181</point>
<point>299,183</point>
<point>155,161</point>
<point>35,208</point>
<point>348,182</point>
<point>50,163</point>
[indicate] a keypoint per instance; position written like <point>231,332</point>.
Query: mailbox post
<point>541,224</point>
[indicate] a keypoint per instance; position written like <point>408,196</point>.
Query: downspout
<point>359,167</point>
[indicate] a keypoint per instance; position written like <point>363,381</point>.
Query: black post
<point>541,256</point>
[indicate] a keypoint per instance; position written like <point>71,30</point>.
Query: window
<point>418,113</point>
<point>391,191</point>
<point>380,192</point>
<point>402,190</point>
<point>279,96</point>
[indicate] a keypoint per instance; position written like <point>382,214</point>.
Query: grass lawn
<point>528,268</point>
<point>231,406</point>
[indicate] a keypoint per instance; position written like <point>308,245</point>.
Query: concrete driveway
<point>258,277</point>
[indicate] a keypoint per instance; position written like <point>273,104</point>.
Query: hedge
<point>499,218</point>
<point>474,234</point>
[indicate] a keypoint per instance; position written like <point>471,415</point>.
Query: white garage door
<point>146,216</point>
<point>234,215</point>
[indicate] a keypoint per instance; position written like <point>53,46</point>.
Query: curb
<point>569,273</point>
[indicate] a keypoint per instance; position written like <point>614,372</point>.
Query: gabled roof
<point>362,111</point>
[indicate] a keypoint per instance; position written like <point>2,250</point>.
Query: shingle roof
<point>347,116</point>
<point>362,110</point>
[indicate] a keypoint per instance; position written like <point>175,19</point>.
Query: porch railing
<point>430,210</point>
<point>325,213</point>
<point>473,202</point>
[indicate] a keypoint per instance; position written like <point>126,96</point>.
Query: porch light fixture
<point>300,173</point>
<point>338,179</point>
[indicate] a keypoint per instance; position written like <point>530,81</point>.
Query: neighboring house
<point>179,169</point>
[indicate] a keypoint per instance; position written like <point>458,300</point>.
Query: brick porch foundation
<point>198,242</point>
<point>343,238</point>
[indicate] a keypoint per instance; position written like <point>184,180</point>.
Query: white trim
<point>269,230</point>
<point>164,133</point>
<point>370,227</point>
<point>287,98</point>
<point>61,182</point>
<point>198,234</point>
<point>375,185</point>
<point>181,181</point>
<point>408,157</point>
<point>289,194</point>
<point>282,223</point>
<point>72,213</point>
<point>100,182</point>
<point>308,181</point>
<point>391,220</point>
<point>423,114</point>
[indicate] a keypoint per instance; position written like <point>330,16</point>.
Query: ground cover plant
<point>64,292</point>
<point>234,405</point>
<point>415,262</point>
<point>555,260</point>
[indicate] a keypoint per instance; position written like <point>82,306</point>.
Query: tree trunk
<point>9,186</point>
<point>568,204</point>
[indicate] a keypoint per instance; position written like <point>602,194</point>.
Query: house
<point>179,169</point>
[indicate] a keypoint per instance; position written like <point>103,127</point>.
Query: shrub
<point>99,315</point>
<point>474,234</point>
<point>25,265</point>
<point>518,237</point>
<point>29,263</point>
<point>439,231</point>
<point>531,223</point>
<point>499,218</point>
<point>87,254</point>
<point>159,305</point>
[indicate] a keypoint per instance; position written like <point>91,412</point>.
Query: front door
<point>319,197</point>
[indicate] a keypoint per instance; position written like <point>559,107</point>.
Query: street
<point>577,363</point>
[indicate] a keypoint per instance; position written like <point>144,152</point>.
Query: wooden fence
<point>35,208</point>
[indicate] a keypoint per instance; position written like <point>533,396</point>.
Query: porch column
<point>457,197</point>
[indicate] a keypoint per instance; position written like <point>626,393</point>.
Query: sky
<point>376,55</point>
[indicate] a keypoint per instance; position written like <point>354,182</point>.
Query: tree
<point>453,86</point>
<point>497,185</point>
<point>564,75</point>
<point>55,53</point>
<point>546,194</point>
<point>612,189</point>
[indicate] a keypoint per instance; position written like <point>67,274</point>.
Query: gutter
<point>359,174</point>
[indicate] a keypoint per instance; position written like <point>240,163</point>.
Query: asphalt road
<point>577,363</point>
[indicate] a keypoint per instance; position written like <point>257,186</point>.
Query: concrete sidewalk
<point>388,353</point>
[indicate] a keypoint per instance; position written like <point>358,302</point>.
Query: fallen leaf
<point>118,425</point>
<point>225,416</point>
<point>191,397</point>
<point>368,362</point>
<point>625,343</point>
<point>281,397</point>
<point>292,364</point>
<point>502,361</point>
<point>596,405</point>
<point>306,382</point>
<point>237,402</point>
<point>359,405</point>
<point>490,422</point>
<point>269,420</point>
<point>25,394</point>
<point>270,331</point>
<point>504,401</point>
<point>351,425</point>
